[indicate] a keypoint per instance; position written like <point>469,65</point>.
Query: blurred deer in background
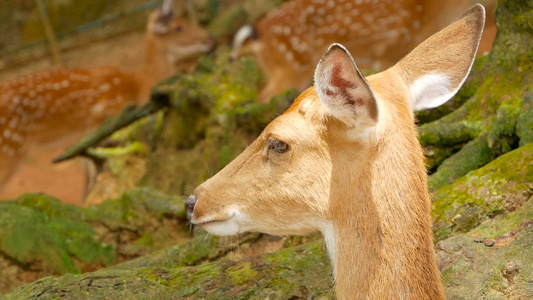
<point>49,106</point>
<point>288,42</point>
<point>345,160</point>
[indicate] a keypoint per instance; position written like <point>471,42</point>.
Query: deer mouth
<point>207,223</point>
<point>191,51</point>
<point>222,227</point>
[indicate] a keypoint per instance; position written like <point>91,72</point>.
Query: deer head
<point>345,159</point>
<point>176,39</point>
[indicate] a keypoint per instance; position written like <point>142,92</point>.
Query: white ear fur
<point>344,90</point>
<point>431,90</point>
<point>244,33</point>
<point>166,7</point>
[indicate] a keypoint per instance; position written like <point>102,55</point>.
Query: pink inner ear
<point>342,85</point>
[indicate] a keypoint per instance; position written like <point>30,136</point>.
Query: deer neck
<point>156,67</point>
<point>380,240</point>
<point>146,78</point>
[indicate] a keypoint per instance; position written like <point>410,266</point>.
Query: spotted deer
<point>46,107</point>
<point>288,42</point>
<point>345,160</point>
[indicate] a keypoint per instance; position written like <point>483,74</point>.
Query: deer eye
<point>278,146</point>
<point>179,28</point>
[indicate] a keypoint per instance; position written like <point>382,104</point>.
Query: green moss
<point>501,186</point>
<point>293,273</point>
<point>50,206</point>
<point>474,271</point>
<point>524,125</point>
<point>473,155</point>
<point>437,134</point>
<point>242,274</point>
<point>41,234</point>
<point>504,224</point>
<point>132,148</point>
<point>49,236</point>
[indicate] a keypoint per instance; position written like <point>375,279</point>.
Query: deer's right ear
<point>343,89</point>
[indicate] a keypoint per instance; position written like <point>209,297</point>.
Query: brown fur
<point>49,106</point>
<point>291,39</point>
<point>367,195</point>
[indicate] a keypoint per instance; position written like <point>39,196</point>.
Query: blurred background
<point>218,72</point>
<point>38,36</point>
<point>88,33</point>
<point>41,35</point>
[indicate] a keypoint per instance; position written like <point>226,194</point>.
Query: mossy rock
<point>40,232</point>
<point>473,269</point>
<point>295,273</point>
<point>41,235</point>
<point>500,187</point>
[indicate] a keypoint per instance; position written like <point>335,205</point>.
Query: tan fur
<point>48,106</point>
<point>366,193</point>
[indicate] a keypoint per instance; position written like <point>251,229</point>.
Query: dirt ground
<point>65,180</point>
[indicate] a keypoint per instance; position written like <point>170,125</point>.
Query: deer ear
<point>435,70</point>
<point>344,90</point>
<point>162,18</point>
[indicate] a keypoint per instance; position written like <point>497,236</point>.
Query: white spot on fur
<point>19,139</point>
<point>10,151</point>
<point>98,108</point>
<point>104,87</point>
<point>14,122</point>
<point>355,26</point>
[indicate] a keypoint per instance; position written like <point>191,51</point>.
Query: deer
<point>288,42</point>
<point>47,107</point>
<point>344,159</point>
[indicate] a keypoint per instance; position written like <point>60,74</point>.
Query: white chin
<point>222,228</point>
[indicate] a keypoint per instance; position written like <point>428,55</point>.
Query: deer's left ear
<point>435,70</point>
<point>344,90</point>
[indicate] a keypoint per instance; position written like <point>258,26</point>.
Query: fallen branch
<point>127,116</point>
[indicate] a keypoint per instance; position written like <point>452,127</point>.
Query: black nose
<point>189,205</point>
